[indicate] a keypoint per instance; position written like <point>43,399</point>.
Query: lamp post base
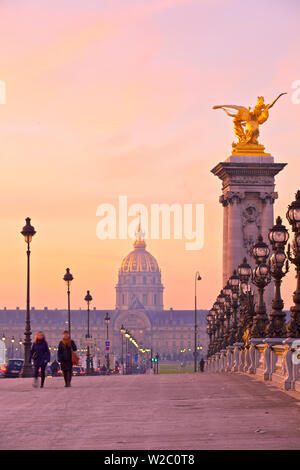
<point>27,371</point>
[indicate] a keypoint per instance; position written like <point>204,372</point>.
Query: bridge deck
<point>205,411</point>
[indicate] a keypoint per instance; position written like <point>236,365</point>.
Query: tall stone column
<point>225,235</point>
<point>248,195</point>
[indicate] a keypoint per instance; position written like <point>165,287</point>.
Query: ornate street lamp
<point>227,308</point>
<point>123,331</point>
<point>20,343</point>
<point>209,319</point>
<point>107,320</point>
<point>260,251</point>
<point>89,367</point>
<point>12,346</point>
<point>234,285</point>
<point>28,232</point>
<point>278,236</point>
<point>218,324</point>
<point>127,336</point>
<point>215,328</point>
<point>221,317</point>
<point>293,216</point>
<point>68,278</point>
<point>197,278</point>
<point>261,278</point>
<point>244,271</point>
<point>246,300</point>
<point>293,213</point>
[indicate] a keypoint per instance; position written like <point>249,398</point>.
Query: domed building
<point>139,308</point>
<point>139,283</point>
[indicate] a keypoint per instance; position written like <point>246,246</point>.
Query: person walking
<point>65,352</point>
<point>40,355</point>
<point>202,362</point>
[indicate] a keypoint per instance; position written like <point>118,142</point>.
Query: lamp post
<point>20,349</point>
<point>197,278</point>
<point>68,278</point>
<point>217,307</point>
<point>209,319</point>
<point>123,331</point>
<point>107,320</point>
<point>88,298</point>
<point>278,236</point>
<point>246,300</point>
<point>214,329</point>
<point>234,285</point>
<point>12,346</point>
<point>227,306</point>
<point>221,302</point>
<point>28,232</point>
<point>260,278</point>
<point>127,336</point>
<point>293,216</point>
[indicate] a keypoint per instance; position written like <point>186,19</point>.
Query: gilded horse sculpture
<point>246,122</point>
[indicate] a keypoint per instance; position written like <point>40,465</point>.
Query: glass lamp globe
<point>260,251</point>
<point>278,235</point>
<point>278,259</point>
<point>293,213</point>
<point>262,270</point>
<point>244,270</point>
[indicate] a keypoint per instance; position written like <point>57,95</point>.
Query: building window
<point>123,299</point>
<point>133,280</point>
<point>144,280</point>
<point>145,299</point>
<point>154,299</point>
<point>153,280</point>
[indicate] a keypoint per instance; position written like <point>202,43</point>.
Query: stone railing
<point>277,360</point>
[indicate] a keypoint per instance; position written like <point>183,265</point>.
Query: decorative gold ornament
<point>139,260</point>
<point>246,124</point>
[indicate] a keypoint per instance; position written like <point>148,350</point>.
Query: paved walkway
<point>184,411</point>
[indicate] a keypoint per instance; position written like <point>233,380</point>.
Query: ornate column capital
<point>230,197</point>
<point>268,196</point>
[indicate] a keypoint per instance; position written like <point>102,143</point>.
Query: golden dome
<point>139,260</point>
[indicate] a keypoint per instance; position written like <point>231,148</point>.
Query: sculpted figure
<point>246,122</point>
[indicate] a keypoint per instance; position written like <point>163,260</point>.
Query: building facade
<point>139,308</point>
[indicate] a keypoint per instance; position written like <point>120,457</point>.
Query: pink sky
<point>109,98</point>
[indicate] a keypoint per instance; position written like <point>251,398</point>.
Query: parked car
<point>13,368</point>
<point>78,370</point>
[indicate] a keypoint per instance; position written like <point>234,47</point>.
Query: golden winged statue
<point>246,124</point>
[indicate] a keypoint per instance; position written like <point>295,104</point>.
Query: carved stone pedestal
<point>268,356</point>
<point>229,355</point>
<point>236,356</point>
<point>217,360</point>
<point>291,363</point>
<point>222,360</point>
<point>248,195</point>
<point>253,343</point>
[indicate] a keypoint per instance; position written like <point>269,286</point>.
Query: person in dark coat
<point>64,356</point>
<point>40,355</point>
<point>202,362</point>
